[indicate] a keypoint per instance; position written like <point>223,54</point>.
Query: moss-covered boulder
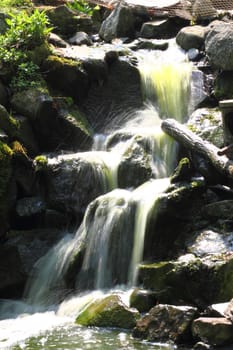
<point>7,123</point>
<point>108,312</point>
<point>67,76</point>
<point>194,280</point>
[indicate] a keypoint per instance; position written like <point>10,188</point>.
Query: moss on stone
<point>108,312</point>
<point>40,53</point>
<point>6,154</point>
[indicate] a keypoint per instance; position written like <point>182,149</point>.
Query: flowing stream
<point>113,228</point>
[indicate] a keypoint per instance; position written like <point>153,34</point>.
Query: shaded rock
<point>149,45</point>
<point>108,312</point>
<point>32,245</point>
<point>97,70</point>
<point>12,275</point>
<point>67,76</point>
<point>56,40</point>
<point>219,48</point>
<point>3,136</point>
<point>30,206</point>
<point>142,300</point>
<point>183,171</point>
<point>3,95</point>
<point>120,23</point>
<point>197,281</point>
<point>202,346</point>
<point>215,331</point>
<point>223,87</point>
<point>222,209</point>
<point>63,19</point>
<point>80,38</point>
<point>160,29</point>
<point>191,37</point>
<point>7,124</point>
<point>166,322</point>
<point>207,123</point>
<point>3,24</point>
<point>25,134</point>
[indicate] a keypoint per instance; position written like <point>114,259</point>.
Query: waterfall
<point>112,234</point>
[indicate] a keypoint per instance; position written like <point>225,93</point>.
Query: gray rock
<point>30,206</point>
<point>26,135</point>
<point>222,209</point>
<point>191,37</point>
<point>80,38</point>
<point>120,23</point>
<point>219,48</point>
<point>216,331</point>
<point>56,40</point>
<point>142,300</point>
<point>166,322</point>
<point>158,29</point>
<point>200,12</point>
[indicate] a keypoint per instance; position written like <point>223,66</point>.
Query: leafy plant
<point>16,3</point>
<point>27,76</point>
<point>83,7</point>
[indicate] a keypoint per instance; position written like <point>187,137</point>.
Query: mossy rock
<point>40,53</point>
<point>183,172</point>
<point>8,123</point>
<point>108,312</point>
<point>67,76</point>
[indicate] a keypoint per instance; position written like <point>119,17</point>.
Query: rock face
<point>218,44</point>
<point>120,23</point>
<point>166,322</point>
<point>108,312</point>
<point>216,331</point>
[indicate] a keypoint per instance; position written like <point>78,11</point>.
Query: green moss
<point>6,154</point>
<point>40,162</point>
<point>40,53</point>
<point>57,62</point>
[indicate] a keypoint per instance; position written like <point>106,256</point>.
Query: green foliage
<point>83,7</point>
<point>16,3</point>
<point>27,76</point>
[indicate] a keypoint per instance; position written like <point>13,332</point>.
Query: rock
<point>191,37</point>
<point>32,244</point>
<point>217,310</point>
<point>223,87</point>
<point>73,181</point>
<point>3,95</point>
<point>142,300</point>
<point>56,40</point>
<point>144,44</point>
<point>202,346</point>
<point>30,206</point>
<point>7,124</point>
<point>108,312</point>
<point>3,24</point>
<point>80,38</point>
<point>25,135</point>
<point>222,209</point>
<point>215,331</point>
<point>207,123</point>
<point>12,275</point>
<point>201,13</point>
<point>166,323</point>
<point>199,91</point>
<point>219,48</point>
<point>67,76</point>
<point>198,281</point>
<point>160,29</point>
<point>228,312</point>
<point>97,70</point>
<point>63,19</point>
<point>120,23</point>
<point>183,171</point>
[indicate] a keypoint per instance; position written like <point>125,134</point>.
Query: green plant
<point>83,7</point>
<point>27,76</point>
<point>16,3</point>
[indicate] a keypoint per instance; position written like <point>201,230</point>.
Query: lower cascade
<point>102,258</point>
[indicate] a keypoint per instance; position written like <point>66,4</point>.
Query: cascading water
<point>112,234</point>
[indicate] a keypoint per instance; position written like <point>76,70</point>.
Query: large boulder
<point>167,323</point>
<point>108,312</point>
<point>120,23</point>
<point>191,37</point>
<point>67,76</point>
<point>200,281</point>
<point>217,331</point>
<point>160,29</point>
<point>12,275</point>
<point>219,48</point>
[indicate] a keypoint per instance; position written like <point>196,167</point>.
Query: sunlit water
<point>38,323</point>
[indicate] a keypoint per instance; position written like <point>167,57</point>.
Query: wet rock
<point>218,44</point>
<point>30,206</point>
<point>160,29</point>
<point>108,312</point>
<point>191,37</point>
<point>215,331</point>
<point>149,45</point>
<point>221,209</point>
<point>183,171</point>
<point>228,312</point>
<point>120,23</point>
<point>56,40</point>
<point>142,300</point>
<point>12,275</point>
<point>166,322</point>
<point>73,181</point>
<point>198,281</point>
<point>25,135</point>
<point>67,76</point>
<point>80,38</point>
<point>7,124</point>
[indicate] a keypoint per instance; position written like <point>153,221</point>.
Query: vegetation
<point>25,32</point>
<point>15,3</point>
<point>83,7</point>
